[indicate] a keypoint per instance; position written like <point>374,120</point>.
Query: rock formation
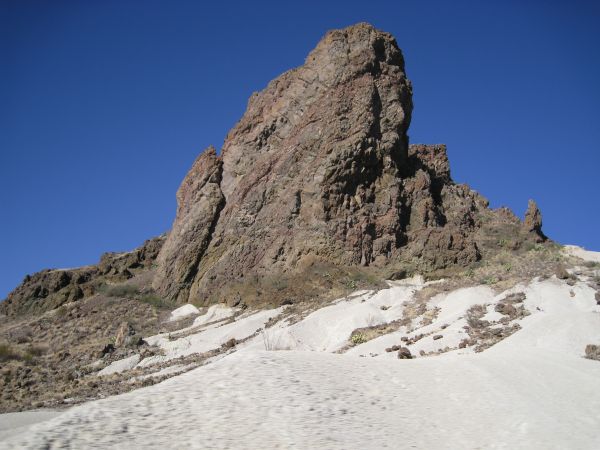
<point>317,178</point>
<point>319,169</point>
<point>533,220</point>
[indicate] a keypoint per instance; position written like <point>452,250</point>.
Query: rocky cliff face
<point>316,182</point>
<point>319,171</point>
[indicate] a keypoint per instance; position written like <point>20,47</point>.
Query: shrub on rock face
<point>7,353</point>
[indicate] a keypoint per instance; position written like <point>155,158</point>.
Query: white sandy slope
<point>582,253</point>
<point>532,390</point>
<point>183,311</point>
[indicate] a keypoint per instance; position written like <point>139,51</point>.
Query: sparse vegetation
<point>358,338</point>
<point>7,353</point>
<point>119,290</point>
<point>273,342</point>
<point>592,264</point>
<point>154,300</point>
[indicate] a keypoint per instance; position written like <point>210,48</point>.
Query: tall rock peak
<point>319,171</point>
<point>316,184</point>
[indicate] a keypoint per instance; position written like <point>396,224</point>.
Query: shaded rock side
<point>319,171</point>
<point>200,201</point>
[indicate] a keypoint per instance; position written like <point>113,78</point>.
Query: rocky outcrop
<point>52,288</point>
<point>316,184</point>
<point>319,171</point>
<point>533,220</point>
<point>200,201</point>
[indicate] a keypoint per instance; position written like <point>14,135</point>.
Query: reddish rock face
<point>315,184</point>
<point>319,168</point>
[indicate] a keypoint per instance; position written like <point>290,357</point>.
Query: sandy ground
<point>12,424</point>
<point>309,400</point>
<point>533,389</point>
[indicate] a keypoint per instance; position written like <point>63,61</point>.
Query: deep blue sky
<point>104,106</point>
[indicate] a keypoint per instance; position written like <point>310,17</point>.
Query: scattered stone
<point>108,348</point>
<point>592,352</point>
<point>561,273</point>
<point>230,343</point>
<point>437,336</point>
<point>404,353</point>
<point>506,308</point>
<point>517,297</point>
<point>125,331</point>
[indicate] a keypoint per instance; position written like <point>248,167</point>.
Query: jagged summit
<point>315,184</point>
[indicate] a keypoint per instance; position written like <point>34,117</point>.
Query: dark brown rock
<point>404,353</point>
<point>506,308</point>
<point>533,220</point>
<point>316,178</point>
<point>319,171</point>
<point>592,352</point>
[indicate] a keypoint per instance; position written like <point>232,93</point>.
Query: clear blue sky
<point>104,105</point>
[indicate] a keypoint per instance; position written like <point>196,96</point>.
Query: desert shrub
<point>7,353</point>
<point>36,350</point>
<point>273,342</point>
<point>591,264</point>
<point>117,290</point>
<point>121,290</point>
<point>154,300</point>
<point>490,280</point>
<point>358,338</point>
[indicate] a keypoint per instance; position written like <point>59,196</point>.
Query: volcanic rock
<point>316,191</point>
<point>318,172</point>
<point>533,220</point>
